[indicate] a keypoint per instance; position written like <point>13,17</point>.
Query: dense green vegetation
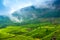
<point>40,31</point>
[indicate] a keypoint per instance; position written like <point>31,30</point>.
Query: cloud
<point>43,3</point>
<point>13,5</point>
<point>16,19</point>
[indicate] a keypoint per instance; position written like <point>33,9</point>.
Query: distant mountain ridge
<point>4,21</point>
<point>32,12</point>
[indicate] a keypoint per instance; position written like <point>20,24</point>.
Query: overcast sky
<point>9,6</point>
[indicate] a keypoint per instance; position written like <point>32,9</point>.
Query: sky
<point>7,7</point>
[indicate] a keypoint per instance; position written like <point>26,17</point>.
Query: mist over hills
<point>32,12</point>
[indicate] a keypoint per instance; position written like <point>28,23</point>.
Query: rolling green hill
<point>43,31</point>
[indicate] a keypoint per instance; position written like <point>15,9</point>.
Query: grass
<point>29,32</point>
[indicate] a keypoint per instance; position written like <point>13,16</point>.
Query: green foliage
<point>20,37</point>
<point>14,30</point>
<point>43,31</point>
